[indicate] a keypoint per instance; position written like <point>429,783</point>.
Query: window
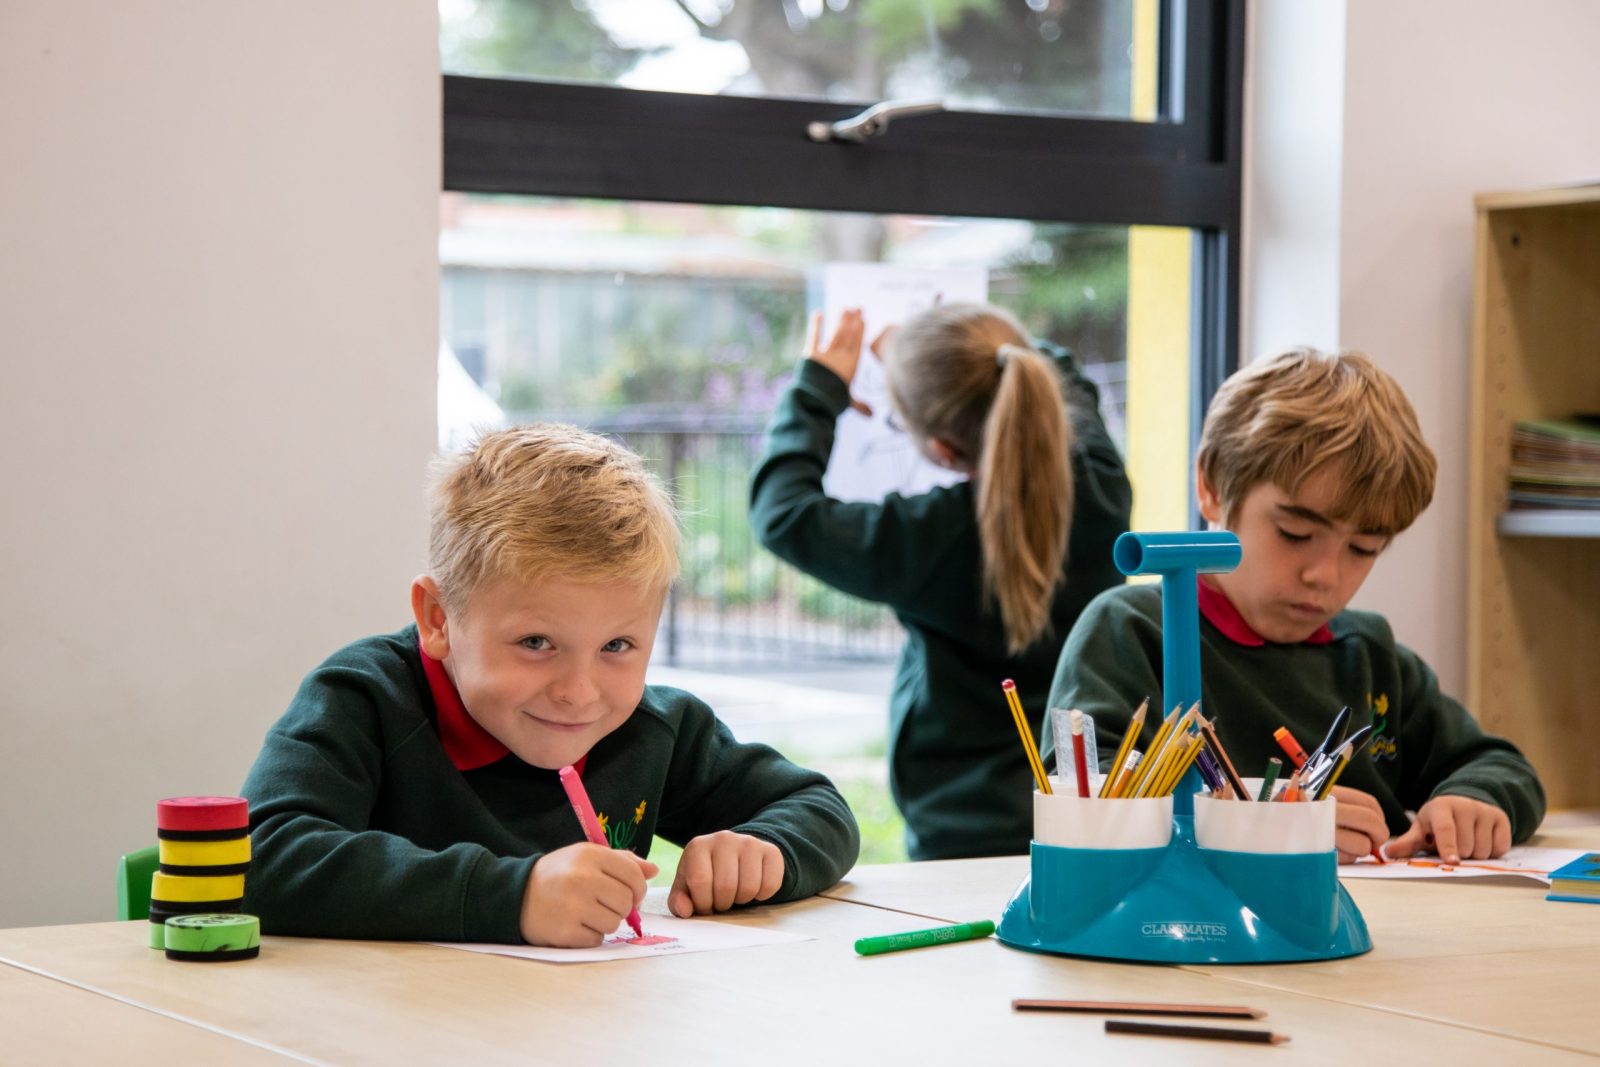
<point>634,207</point>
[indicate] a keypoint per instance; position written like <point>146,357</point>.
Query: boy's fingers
<point>1444,839</point>
<point>813,334</point>
<point>1502,835</point>
<point>725,878</point>
<point>749,877</point>
<point>649,871</point>
<point>771,872</point>
<point>1406,844</point>
<point>694,876</point>
<point>678,902</point>
<point>861,406</point>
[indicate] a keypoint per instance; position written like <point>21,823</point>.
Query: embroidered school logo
<point>1182,931</point>
<point>621,834</point>
<point>1383,744</point>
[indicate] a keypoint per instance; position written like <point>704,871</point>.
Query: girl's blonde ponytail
<point>966,374</point>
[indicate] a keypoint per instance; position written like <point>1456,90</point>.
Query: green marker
<point>939,935</point>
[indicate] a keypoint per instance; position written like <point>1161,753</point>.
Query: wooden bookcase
<point>1533,579</point>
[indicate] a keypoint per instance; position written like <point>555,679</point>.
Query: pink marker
<point>591,825</point>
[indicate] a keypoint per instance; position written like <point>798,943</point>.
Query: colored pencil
<point>1079,759</point>
<point>1220,754</point>
<point>1119,788</point>
<point>1270,778</point>
<point>1147,765</point>
<point>1135,1007</point>
<point>1129,736</point>
<point>1209,1033</point>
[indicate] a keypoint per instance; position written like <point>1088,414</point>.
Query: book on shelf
<point>1555,463</point>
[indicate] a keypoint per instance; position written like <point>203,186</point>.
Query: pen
<point>1335,730</point>
<point>591,825</point>
<point>938,935</point>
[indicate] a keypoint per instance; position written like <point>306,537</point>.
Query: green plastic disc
<point>208,932</point>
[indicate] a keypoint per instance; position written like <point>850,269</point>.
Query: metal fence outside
<point>736,605</point>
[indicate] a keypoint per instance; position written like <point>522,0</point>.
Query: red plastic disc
<point>202,813</point>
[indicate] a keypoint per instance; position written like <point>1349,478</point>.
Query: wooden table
<point>1491,958</point>
<point>91,992</point>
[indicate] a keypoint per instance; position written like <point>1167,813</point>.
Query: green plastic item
<point>134,872</point>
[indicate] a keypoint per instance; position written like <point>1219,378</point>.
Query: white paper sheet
<point>686,935</point>
<point>1522,863</point>
<point>869,459</point>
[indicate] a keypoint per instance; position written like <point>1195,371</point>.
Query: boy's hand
<point>842,353</point>
<point>578,895</point>
<point>717,871</point>
<point>1359,826</point>
<point>1456,829</point>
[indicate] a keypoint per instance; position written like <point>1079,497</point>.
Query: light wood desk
<point>45,1021</point>
<point>805,1003</point>
<point>1491,958</point>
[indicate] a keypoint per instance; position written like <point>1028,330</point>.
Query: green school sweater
<point>362,826</point>
<point>956,766</point>
<point>1424,744</point>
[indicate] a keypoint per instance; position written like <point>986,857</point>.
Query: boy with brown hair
<point>1316,462</point>
<point>411,789</point>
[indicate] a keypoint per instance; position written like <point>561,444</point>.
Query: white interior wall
<point>1441,99</point>
<point>1294,130</point>
<point>218,291</point>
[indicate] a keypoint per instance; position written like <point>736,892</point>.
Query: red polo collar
<point>468,745</point>
<point>1220,612</point>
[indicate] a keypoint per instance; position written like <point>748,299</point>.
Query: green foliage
<point>883,832</point>
<point>531,38</point>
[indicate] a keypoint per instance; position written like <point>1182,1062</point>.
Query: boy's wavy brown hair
<point>548,501</point>
<point>1281,419</point>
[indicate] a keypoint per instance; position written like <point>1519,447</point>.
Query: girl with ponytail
<point>987,575</point>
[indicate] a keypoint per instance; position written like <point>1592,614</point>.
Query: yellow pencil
<point>1147,765</point>
<point>1135,725</point>
<point>1180,765</point>
<point>1151,786</point>
<point>1015,704</point>
<point>1177,737</point>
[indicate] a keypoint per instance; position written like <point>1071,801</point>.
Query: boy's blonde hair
<point>968,374</point>
<point>1282,419</point>
<point>548,501</point>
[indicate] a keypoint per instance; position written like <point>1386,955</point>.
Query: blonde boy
<point>1316,462</point>
<point>410,791</point>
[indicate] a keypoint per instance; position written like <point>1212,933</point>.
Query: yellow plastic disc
<point>204,853</point>
<point>182,889</point>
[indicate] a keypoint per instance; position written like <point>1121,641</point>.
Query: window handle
<point>871,122</point>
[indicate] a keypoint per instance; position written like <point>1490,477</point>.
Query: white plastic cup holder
<point>1066,820</point>
<point>1271,828</point>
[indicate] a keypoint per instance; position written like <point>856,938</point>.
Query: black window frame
<point>507,135</point>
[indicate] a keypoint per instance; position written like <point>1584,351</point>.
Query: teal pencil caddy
<point>1182,879</point>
